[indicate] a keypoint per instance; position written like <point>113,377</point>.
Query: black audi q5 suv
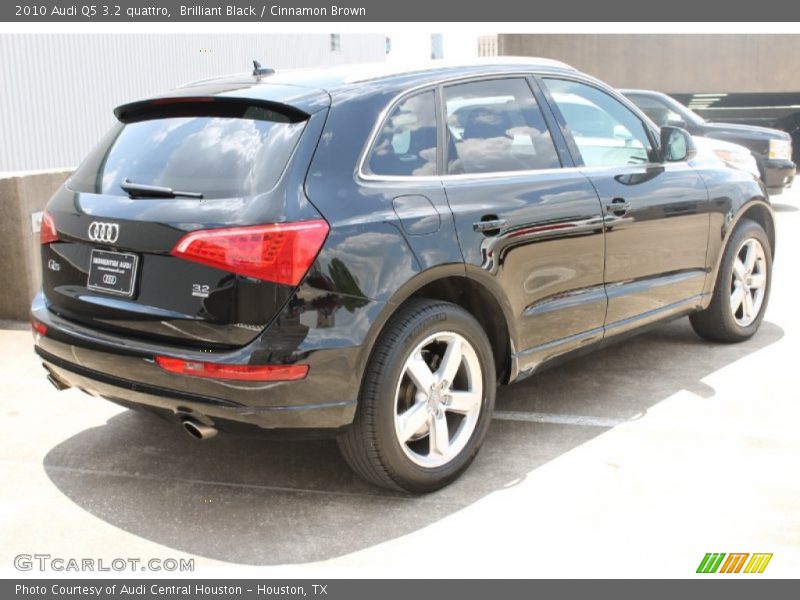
<point>367,253</point>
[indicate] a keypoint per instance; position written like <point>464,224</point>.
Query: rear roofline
<point>303,99</point>
<point>330,78</point>
<point>310,90</point>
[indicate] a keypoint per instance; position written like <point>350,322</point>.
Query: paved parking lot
<point>633,461</point>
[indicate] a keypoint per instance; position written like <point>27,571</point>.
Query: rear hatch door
<point>206,159</point>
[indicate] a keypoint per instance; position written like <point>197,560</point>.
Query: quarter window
<point>406,144</point>
<point>496,126</point>
<point>604,130</point>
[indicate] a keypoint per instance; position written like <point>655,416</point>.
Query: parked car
<point>772,148</point>
<point>791,125</point>
<point>733,155</point>
<point>346,252</point>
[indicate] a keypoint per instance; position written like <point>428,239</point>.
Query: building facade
<point>487,45</point>
<point>59,90</point>
<point>738,78</point>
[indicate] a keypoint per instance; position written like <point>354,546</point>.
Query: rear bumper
<point>779,175</point>
<point>123,370</point>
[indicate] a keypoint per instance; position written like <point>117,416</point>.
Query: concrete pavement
<point>632,461</point>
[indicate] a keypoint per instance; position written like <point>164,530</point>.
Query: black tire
<point>370,446</point>
<point>717,322</point>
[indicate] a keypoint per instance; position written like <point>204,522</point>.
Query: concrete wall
<point>672,63</point>
<point>21,196</point>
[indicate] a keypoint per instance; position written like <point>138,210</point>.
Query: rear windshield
<point>229,154</point>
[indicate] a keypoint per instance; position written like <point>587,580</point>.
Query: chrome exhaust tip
<point>57,383</point>
<point>198,430</point>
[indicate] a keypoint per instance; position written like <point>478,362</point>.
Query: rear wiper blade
<point>141,190</point>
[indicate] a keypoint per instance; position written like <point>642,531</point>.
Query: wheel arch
<point>760,212</point>
<point>451,283</point>
<point>756,209</point>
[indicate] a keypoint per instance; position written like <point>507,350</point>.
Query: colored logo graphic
<point>713,562</point>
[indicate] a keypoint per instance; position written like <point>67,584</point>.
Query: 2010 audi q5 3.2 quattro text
<point>367,252</point>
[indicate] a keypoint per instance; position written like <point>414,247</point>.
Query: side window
<point>604,130</point>
<point>496,126</point>
<point>406,144</point>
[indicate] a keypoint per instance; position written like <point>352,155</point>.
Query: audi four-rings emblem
<point>106,233</point>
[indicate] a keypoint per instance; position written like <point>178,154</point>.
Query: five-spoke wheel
<point>438,399</point>
<point>748,281</point>
<point>426,399</point>
<point>742,287</point>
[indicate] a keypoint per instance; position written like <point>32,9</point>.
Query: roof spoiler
<point>206,106</point>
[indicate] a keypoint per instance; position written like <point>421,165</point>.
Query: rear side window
<point>496,126</point>
<point>406,144</point>
<point>235,152</point>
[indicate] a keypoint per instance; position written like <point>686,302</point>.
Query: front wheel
<point>742,289</point>
<point>426,399</point>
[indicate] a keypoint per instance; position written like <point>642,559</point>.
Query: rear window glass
<point>220,156</point>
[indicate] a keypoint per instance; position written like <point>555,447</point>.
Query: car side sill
<point>526,362</point>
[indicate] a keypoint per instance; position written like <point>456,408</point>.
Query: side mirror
<point>676,144</point>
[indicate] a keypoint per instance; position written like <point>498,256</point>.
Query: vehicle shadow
<point>250,501</point>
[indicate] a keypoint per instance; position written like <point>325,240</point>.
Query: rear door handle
<point>493,225</point>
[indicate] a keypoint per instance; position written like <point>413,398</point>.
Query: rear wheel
<point>426,399</point>
<point>742,290</point>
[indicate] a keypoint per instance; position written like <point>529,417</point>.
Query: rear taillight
<point>281,252</point>
<point>237,372</point>
<point>47,231</point>
<point>38,326</point>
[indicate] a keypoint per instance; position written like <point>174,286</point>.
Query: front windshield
<point>690,114</point>
<point>664,110</point>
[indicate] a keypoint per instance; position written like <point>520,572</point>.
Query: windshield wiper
<point>141,190</point>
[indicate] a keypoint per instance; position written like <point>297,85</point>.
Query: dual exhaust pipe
<point>55,380</point>
<point>194,427</point>
<point>198,430</point>
<point>57,383</point>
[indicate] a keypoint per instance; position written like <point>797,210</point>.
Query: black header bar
<point>348,589</point>
<point>445,11</point>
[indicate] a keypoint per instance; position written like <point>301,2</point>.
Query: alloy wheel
<point>748,282</point>
<point>438,399</point>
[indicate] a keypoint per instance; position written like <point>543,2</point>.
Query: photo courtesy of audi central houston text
<point>366,252</point>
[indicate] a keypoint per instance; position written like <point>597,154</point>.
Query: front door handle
<point>618,206</point>
<point>490,225</point>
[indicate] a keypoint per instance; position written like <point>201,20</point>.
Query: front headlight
<point>738,160</point>
<point>780,149</point>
